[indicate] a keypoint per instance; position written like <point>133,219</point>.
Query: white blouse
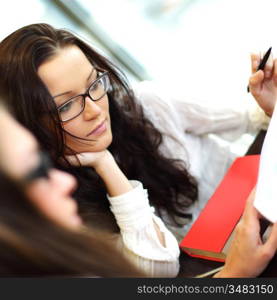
<point>188,128</point>
<point>136,219</point>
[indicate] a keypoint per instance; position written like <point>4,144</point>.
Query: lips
<point>98,129</point>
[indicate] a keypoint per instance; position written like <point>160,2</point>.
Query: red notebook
<point>209,236</point>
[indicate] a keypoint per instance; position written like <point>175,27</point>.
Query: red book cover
<point>210,232</point>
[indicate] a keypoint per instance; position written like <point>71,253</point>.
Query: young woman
<point>82,111</point>
<point>153,248</point>
<point>41,233</point>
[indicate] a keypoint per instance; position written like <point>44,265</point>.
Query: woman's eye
<point>65,108</point>
<point>94,87</point>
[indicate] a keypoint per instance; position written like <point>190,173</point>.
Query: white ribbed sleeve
<point>135,218</point>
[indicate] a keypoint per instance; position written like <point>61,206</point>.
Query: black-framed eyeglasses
<point>41,171</point>
<point>73,107</point>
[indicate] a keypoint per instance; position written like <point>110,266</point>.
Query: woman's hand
<point>95,160</point>
<point>263,84</point>
<point>106,167</point>
<point>248,255</point>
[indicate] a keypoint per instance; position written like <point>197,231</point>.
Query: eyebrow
<point>92,70</point>
<point>88,78</point>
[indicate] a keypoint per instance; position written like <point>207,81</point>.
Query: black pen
<point>262,63</point>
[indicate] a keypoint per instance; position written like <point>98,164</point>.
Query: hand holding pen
<point>261,65</point>
<point>263,81</point>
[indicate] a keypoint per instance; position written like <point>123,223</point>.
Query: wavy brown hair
<point>135,143</point>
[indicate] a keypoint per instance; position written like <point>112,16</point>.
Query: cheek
<point>106,105</point>
<point>75,127</point>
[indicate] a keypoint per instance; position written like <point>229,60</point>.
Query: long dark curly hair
<point>136,141</point>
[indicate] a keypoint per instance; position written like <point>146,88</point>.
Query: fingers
<point>255,83</point>
<point>250,213</point>
<point>255,60</point>
<point>268,70</point>
<point>251,196</point>
<point>275,71</point>
<point>269,67</point>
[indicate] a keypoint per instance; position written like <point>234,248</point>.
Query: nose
<point>64,181</point>
<point>92,110</point>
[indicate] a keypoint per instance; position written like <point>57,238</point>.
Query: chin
<point>93,146</point>
<point>100,145</point>
<point>104,144</point>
